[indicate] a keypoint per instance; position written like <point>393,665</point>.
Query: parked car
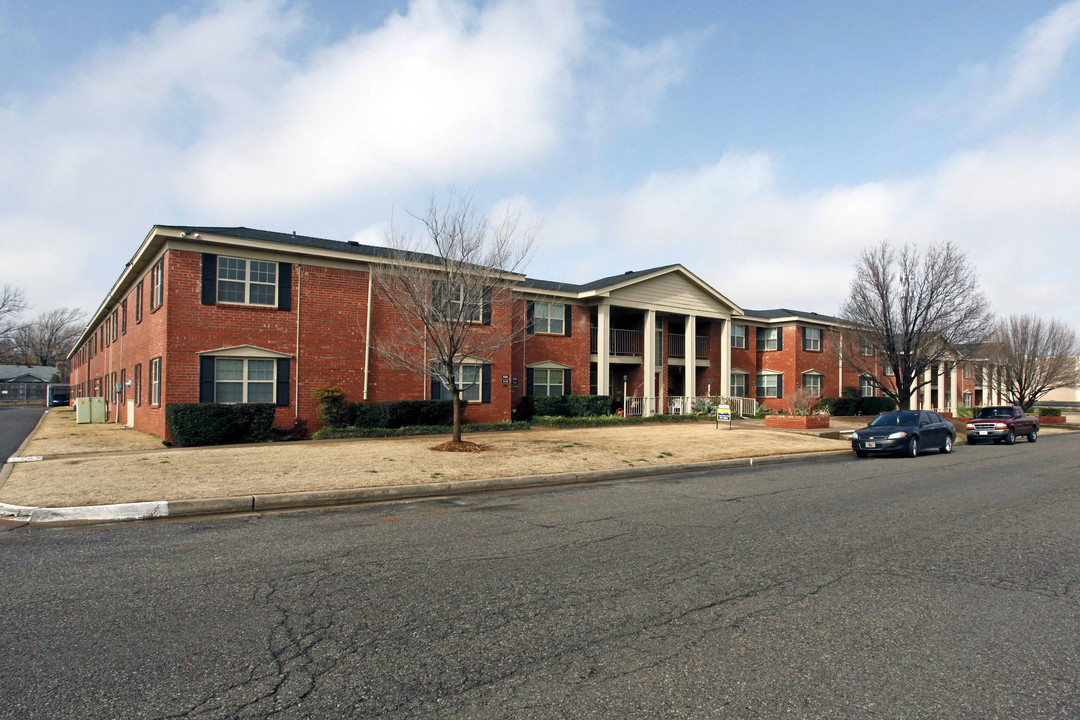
<point>1002,423</point>
<point>904,432</point>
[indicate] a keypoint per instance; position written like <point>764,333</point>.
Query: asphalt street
<point>943,586</point>
<point>16,422</point>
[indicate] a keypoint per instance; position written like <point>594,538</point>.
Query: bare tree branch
<point>914,311</point>
<point>443,289</point>
<point>1037,356</point>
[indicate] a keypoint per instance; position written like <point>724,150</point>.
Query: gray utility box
<point>90,410</point>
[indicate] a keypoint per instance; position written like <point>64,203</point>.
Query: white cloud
<point>1011,206</point>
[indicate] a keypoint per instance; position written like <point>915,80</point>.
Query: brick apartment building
<point>218,314</point>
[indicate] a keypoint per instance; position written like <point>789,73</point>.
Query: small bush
<point>876,405</point>
<point>565,406</point>
<point>218,424</point>
<point>858,406</point>
<point>606,420</point>
<point>331,433</point>
<point>1048,411</point>
<point>400,413</point>
<point>332,409</point>
<point>703,406</point>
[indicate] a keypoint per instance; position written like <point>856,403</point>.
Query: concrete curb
<point>352,496</point>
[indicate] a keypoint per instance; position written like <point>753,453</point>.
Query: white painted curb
<point>86,513</point>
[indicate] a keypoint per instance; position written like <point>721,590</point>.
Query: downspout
<point>367,336</point>
<point>299,295</point>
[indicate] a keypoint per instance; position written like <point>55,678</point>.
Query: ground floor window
<point>155,381</point>
<point>244,380</point>
<point>739,382</point>
<point>866,387</point>
<point>769,386</point>
<point>547,382</point>
<point>967,398</point>
<point>813,384</point>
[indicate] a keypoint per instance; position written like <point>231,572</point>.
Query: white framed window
<point>458,305</point>
<point>968,374</point>
<point>547,382</point>
<point>769,384</point>
<point>813,384</point>
<point>887,370</point>
<point>866,387</point>
<point>244,380</point>
<point>768,338</point>
<point>812,339</point>
<point>739,384</point>
<point>549,318</point>
<point>866,347</point>
<point>157,284</point>
<point>248,282</point>
<point>968,398</point>
<point>155,381</point>
<point>738,336</point>
<point>468,380</point>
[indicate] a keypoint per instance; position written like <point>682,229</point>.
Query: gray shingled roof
<point>43,373</point>
<point>592,285</point>
<point>785,312</point>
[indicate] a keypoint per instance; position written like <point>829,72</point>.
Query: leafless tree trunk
<point>913,310</point>
<point>1037,357</point>
<point>444,287</point>
<point>47,339</point>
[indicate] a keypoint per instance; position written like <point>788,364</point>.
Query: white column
<point>954,389</point>
<point>925,405</point>
<point>725,358</point>
<point>997,385</point>
<point>984,382</point>
<point>648,358</point>
<point>690,374</point>
<point>603,349</point>
<point>941,386</point>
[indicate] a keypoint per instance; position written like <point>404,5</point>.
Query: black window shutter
<point>566,390</point>
<point>436,388</point>
<point>760,339</point>
<point>485,384</point>
<point>206,379</point>
<point>209,280</point>
<point>779,338</point>
<point>283,380</point>
<point>779,386</point>
<point>568,317</point>
<point>530,308</point>
<point>803,330</point>
<point>487,308</point>
<point>529,381</point>
<point>284,288</point>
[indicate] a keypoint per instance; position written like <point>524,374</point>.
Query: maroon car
<point>1002,423</point>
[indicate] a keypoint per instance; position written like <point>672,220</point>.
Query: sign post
<point>723,415</point>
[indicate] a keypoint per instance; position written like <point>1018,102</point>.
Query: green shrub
<point>1049,411</point>
<point>703,406</point>
<point>217,423</point>
<point>330,433</point>
<point>605,420</point>
<point>858,405</point>
<point>966,411</point>
<point>332,409</point>
<point>876,405</point>
<point>565,406</point>
<point>400,413</point>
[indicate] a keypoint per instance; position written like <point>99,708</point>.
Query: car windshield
<point>996,412</point>
<point>895,419</point>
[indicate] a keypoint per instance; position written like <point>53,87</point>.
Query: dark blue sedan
<point>905,432</point>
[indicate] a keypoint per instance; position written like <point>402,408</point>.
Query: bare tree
<point>46,339</point>
<point>443,288</point>
<point>12,305</point>
<point>912,310</point>
<point>1037,356</point>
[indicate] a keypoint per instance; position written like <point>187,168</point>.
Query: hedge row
<point>566,406</point>
<point>605,420</point>
<point>218,424</point>
<point>331,433</point>
<point>335,411</point>
<point>858,405</point>
<point>1048,411</point>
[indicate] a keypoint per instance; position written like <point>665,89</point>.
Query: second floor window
<point>457,304</point>
<point>738,336</point>
<point>157,284</point>
<point>769,339</point>
<point>811,339</point>
<point>548,317</point>
<point>249,282</point>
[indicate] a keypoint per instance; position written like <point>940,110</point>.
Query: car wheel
<point>912,449</point>
<point>1033,435</point>
<point>947,447</point>
<point>861,453</point>
<point>1010,439</point>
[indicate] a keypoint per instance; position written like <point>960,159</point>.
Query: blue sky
<point>762,145</point>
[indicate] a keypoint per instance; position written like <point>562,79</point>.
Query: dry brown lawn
<point>220,472</point>
<point>59,435</point>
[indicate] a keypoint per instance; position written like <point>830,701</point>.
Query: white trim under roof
<point>548,365</point>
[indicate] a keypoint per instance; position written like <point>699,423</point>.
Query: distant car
<point>59,400</point>
<point>904,432</point>
<point>1002,423</point>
